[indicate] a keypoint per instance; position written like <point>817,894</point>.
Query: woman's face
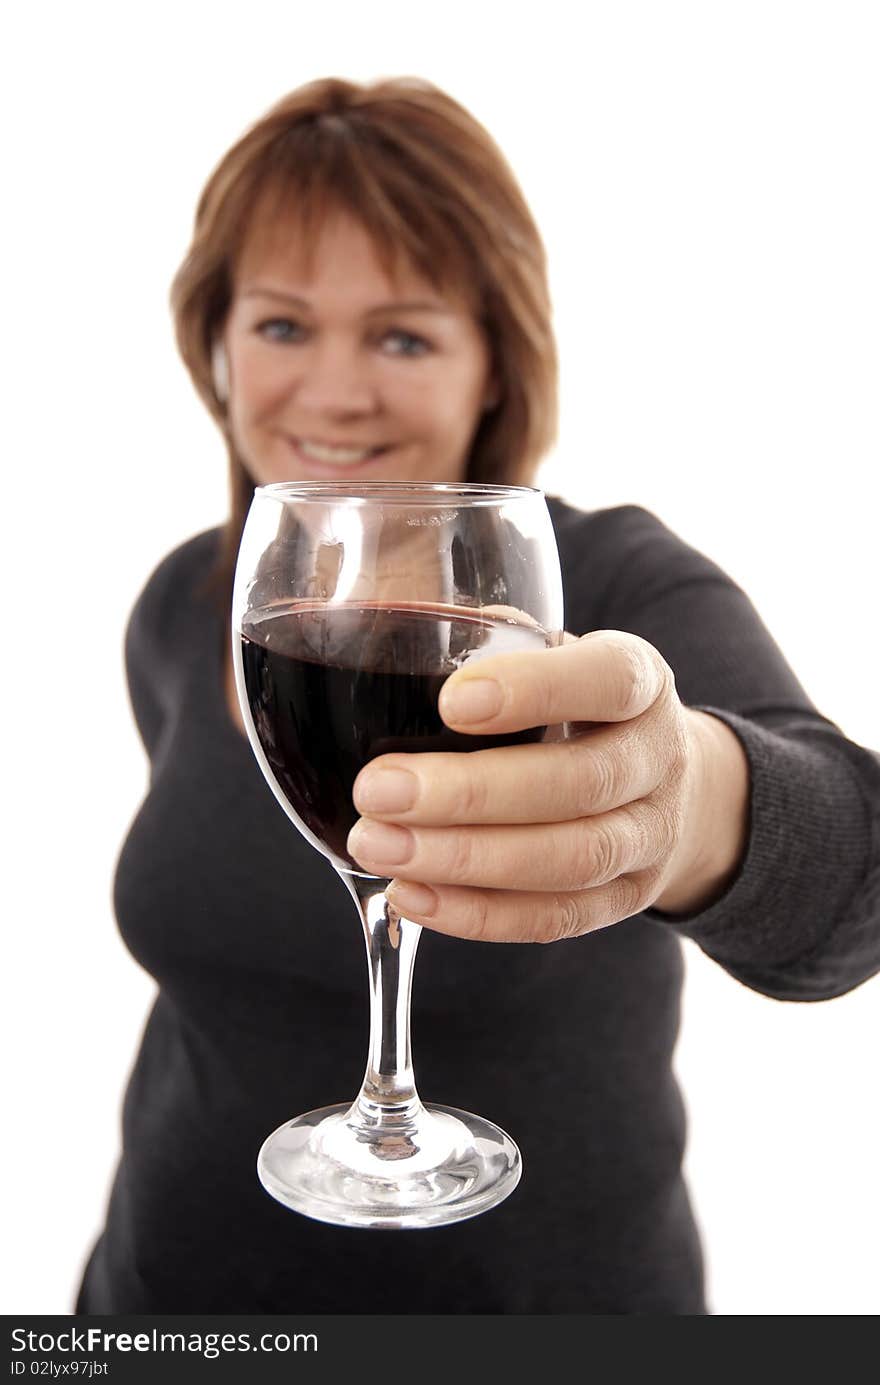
<point>344,373</point>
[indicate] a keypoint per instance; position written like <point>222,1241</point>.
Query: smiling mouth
<point>341,455</point>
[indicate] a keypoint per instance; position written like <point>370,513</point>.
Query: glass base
<point>441,1166</point>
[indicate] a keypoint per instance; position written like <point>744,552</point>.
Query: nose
<point>334,379</point>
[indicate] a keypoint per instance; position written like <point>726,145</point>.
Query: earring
<point>220,371</point>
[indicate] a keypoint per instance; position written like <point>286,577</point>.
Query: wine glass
<point>352,604</point>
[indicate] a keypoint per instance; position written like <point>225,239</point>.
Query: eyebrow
<point>398,306</point>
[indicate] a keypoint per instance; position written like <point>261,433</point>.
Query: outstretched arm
<point>711,795</point>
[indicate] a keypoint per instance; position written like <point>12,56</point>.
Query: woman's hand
<point>537,842</point>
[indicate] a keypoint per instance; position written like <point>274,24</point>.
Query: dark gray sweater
<point>262,1007</point>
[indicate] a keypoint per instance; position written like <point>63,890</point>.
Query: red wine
<point>331,687</point>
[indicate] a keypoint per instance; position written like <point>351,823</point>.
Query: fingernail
<point>385,791</point>
<point>473,699</point>
<point>380,843</point>
<point>409,899</point>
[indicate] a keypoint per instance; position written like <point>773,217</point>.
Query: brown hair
<point>428,183</point>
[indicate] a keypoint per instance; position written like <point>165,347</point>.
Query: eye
<point>279,329</point>
<point>285,329</point>
<point>409,343</point>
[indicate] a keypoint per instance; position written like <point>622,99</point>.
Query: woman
<point>366,297</point>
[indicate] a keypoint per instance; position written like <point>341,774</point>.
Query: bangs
<point>320,170</point>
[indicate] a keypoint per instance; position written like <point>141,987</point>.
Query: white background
<point>705,176</point>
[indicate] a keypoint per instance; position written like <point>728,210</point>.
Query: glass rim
<point>436,493</point>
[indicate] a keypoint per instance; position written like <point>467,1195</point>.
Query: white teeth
<point>319,453</point>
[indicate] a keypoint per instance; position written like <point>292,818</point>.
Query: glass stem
<point>388,1100</point>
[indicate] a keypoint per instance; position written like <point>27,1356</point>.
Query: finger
<point>548,856</point>
<point>591,773</point>
<point>608,675</point>
<point>510,916</point>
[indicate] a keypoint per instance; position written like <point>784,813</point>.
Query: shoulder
<point>618,559</point>
<point>573,524</point>
<point>185,564</point>
<point>619,523</point>
<point>600,541</point>
<point>625,537</point>
<point>170,597</point>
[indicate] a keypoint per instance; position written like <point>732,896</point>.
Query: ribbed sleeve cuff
<point>807,857</point>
